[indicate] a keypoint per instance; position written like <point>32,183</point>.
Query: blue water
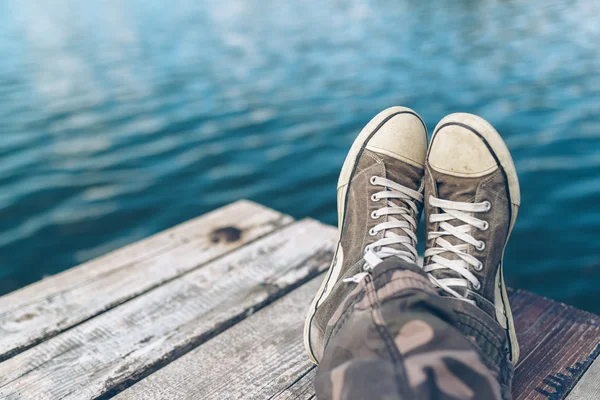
<point>119,119</point>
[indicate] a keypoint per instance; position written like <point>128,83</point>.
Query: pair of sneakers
<point>468,184</point>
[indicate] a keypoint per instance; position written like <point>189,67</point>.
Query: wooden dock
<point>214,308</point>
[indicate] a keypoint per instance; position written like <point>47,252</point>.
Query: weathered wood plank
<point>261,357</point>
<point>302,389</point>
<point>44,309</point>
<point>541,325</point>
<point>102,356</point>
<point>558,343</point>
<point>588,388</point>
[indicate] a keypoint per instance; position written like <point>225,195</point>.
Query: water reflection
<point>122,118</point>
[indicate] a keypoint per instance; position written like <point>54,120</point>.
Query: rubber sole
<point>500,151</point>
<point>344,179</point>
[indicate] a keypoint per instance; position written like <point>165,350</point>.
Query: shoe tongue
<point>457,189</point>
<point>406,175</point>
<point>402,173</point>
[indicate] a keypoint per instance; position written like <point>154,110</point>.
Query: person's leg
<point>380,196</point>
<point>366,313</point>
<point>394,337</point>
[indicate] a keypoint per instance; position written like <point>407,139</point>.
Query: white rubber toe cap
<point>459,151</point>
<point>402,137</point>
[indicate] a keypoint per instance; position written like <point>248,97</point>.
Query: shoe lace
<point>400,217</point>
<point>454,210</point>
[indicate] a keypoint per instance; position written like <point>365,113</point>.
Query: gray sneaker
<point>379,197</point>
<point>471,202</point>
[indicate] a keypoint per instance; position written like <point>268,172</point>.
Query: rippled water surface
<point>121,118</point>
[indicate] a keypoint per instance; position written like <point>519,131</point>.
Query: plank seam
<point>300,377</point>
<point>279,224</point>
<point>587,363</point>
<point>320,257</point>
<point>170,247</point>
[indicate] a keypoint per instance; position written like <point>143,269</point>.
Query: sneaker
<point>471,202</point>
<point>379,197</point>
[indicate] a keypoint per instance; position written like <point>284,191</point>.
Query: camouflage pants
<point>394,337</point>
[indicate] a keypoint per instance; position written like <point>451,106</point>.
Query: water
<point>121,118</point>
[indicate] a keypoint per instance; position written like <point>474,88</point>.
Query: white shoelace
<point>461,211</point>
<point>399,218</point>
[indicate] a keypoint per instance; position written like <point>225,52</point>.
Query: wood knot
<point>227,234</point>
<point>25,317</point>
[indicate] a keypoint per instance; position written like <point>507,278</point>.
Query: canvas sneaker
<point>471,203</point>
<point>379,199</point>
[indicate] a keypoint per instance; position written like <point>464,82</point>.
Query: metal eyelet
<point>481,246</point>
<point>477,286</point>
<point>374,197</point>
<point>372,232</point>
<point>479,267</point>
<point>486,225</point>
<point>374,215</point>
<point>372,180</point>
<point>488,205</point>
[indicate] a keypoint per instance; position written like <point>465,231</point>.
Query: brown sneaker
<point>379,196</point>
<point>471,202</point>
